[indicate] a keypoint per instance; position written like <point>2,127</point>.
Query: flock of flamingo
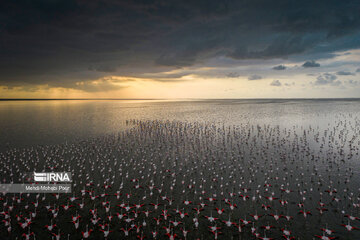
<point>192,180</point>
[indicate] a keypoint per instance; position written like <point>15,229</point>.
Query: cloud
<point>103,68</point>
<point>63,42</point>
<point>169,80</point>
<point>327,79</point>
<point>102,85</point>
<point>254,77</point>
<point>358,70</point>
<point>233,75</point>
<point>279,67</point>
<point>311,64</point>
<point>345,73</point>
<point>165,76</point>
<point>353,82</point>
<point>275,83</point>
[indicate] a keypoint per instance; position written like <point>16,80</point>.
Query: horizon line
<point>141,99</point>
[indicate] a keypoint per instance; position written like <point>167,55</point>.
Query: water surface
<point>28,123</point>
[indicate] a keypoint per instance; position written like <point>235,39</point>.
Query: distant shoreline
<point>142,99</point>
<point>72,99</point>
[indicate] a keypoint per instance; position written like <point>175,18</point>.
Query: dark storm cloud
<point>279,67</point>
<point>60,42</point>
<point>102,68</point>
<point>311,64</point>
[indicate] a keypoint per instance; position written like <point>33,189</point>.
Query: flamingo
<point>87,233</point>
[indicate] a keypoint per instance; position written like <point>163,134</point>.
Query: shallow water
<point>28,123</point>
<point>216,146</point>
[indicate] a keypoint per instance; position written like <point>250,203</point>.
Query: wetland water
<point>148,165</point>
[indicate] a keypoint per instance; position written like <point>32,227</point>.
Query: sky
<point>180,49</point>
